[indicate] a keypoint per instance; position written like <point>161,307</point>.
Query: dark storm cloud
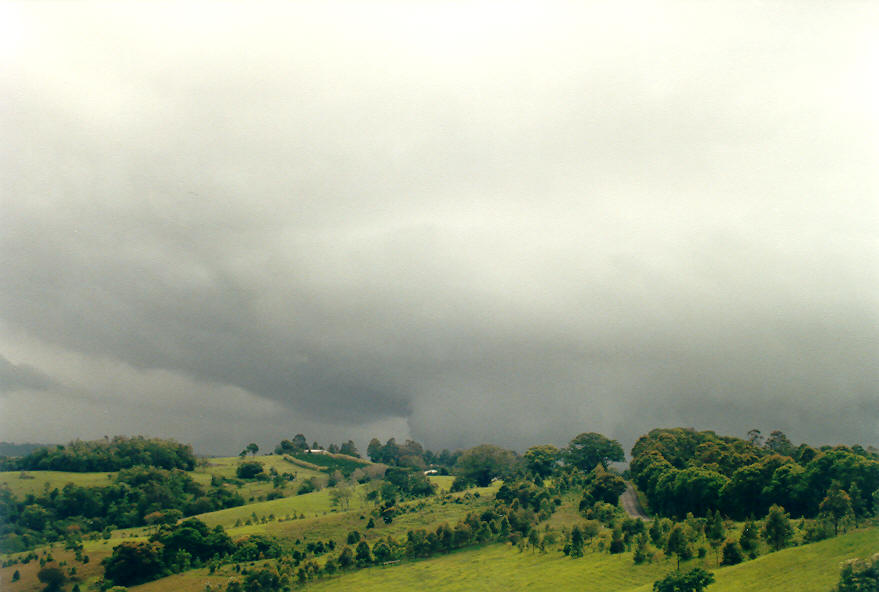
<point>480,224</point>
<point>14,377</point>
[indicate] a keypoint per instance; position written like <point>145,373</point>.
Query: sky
<point>458,222</point>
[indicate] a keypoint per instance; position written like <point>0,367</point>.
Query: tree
<point>362,555</point>
<point>340,495</point>
<point>677,543</point>
<point>346,557</point>
<point>541,460</point>
<point>53,577</point>
<point>778,443</point>
<point>589,449</point>
<point>859,576</point>
<point>755,437</point>
<point>134,563</point>
<point>836,507</point>
<point>484,463</point>
<point>777,529</point>
<point>749,537</point>
<point>300,443</point>
<point>249,470</point>
<point>732,553</point>
<point>350,449</point>
<point>252,448</point>
<point>695,580</point>
<point>715,533</point>
<point>576,545</point>
<point>603,486</point>
<point>374,450</point>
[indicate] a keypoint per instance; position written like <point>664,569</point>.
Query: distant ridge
<point>13,449</point>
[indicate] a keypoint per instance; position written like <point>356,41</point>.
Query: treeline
<point>681,470</point>
<point>114,454</point>
<point>410,454</point>
<point>299,444</point>
<point>136,497</point>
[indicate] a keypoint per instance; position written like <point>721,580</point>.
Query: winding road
<point>629,502</point>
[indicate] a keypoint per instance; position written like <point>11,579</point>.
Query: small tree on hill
<point>677,544</point>
<point>777,529</point>
<point>695,580</point>
<point>836,507</point>
<point>53,577</point>
<point>715,533</point>
<point>749,539</point>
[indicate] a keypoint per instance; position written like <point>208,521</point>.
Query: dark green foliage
<point>836,507</point>
<point>602,486</point>
<point>329,463</point>
<point>542,460</point>
<point>485,462</point>
<point>16,576</point>
<point>695,580</point>
<point>407,483</point>
<point>859,576</point>
<point>172,549</point>
<point>732,553</point>
<point>346,557</point>
<point>589,449</point>
<point>677,543</point>
<point>642,549</point>
<point>617,545</point>
<point>777,529</point>
<point>105,455</point>
<point>266,579</point>
<point>749,537</point>
<point>250,470</point>
<point>135,563</point>
<point>681,470</point>
<point>362,554</point>
<point>53,577</point>
<point>135,494</point>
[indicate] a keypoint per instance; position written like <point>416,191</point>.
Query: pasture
<point>22,483</point>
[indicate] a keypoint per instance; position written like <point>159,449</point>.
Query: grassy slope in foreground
<point>808,568</point>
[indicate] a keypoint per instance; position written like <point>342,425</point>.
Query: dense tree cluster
<point>114,454</point>
<point>859,576</point>
<point>410,454</point>
<point>174,548</point>
<point>682,470</point>
<point>137,496</point>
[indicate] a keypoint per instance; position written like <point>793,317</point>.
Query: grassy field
<point>36,481</point>
<point>809,568</point>
<point>256,490</point>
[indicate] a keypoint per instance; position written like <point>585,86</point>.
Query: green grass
<point>36,481</point>
<point>501,567</point>
<point>254,490</point>
<point>310,504</point>
<point>808,568</point>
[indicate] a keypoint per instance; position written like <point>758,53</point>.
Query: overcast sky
<point>461,222</point>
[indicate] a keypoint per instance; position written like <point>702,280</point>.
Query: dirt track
<point>629,502</point>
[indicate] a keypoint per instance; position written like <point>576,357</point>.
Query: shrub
<point>732,553</point>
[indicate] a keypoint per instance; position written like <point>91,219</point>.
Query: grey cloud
<point>581,221</point>
<point>15,377</point>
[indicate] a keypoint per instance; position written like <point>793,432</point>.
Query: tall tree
<point>777,529</point>
<point>485,462</point>
<point>541,460</point>
<point>836,507</point>
<point>589,449</point>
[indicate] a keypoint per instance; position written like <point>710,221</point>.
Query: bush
<point>732,553</point>
<point>859,576</point>
<point>250,470</point>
